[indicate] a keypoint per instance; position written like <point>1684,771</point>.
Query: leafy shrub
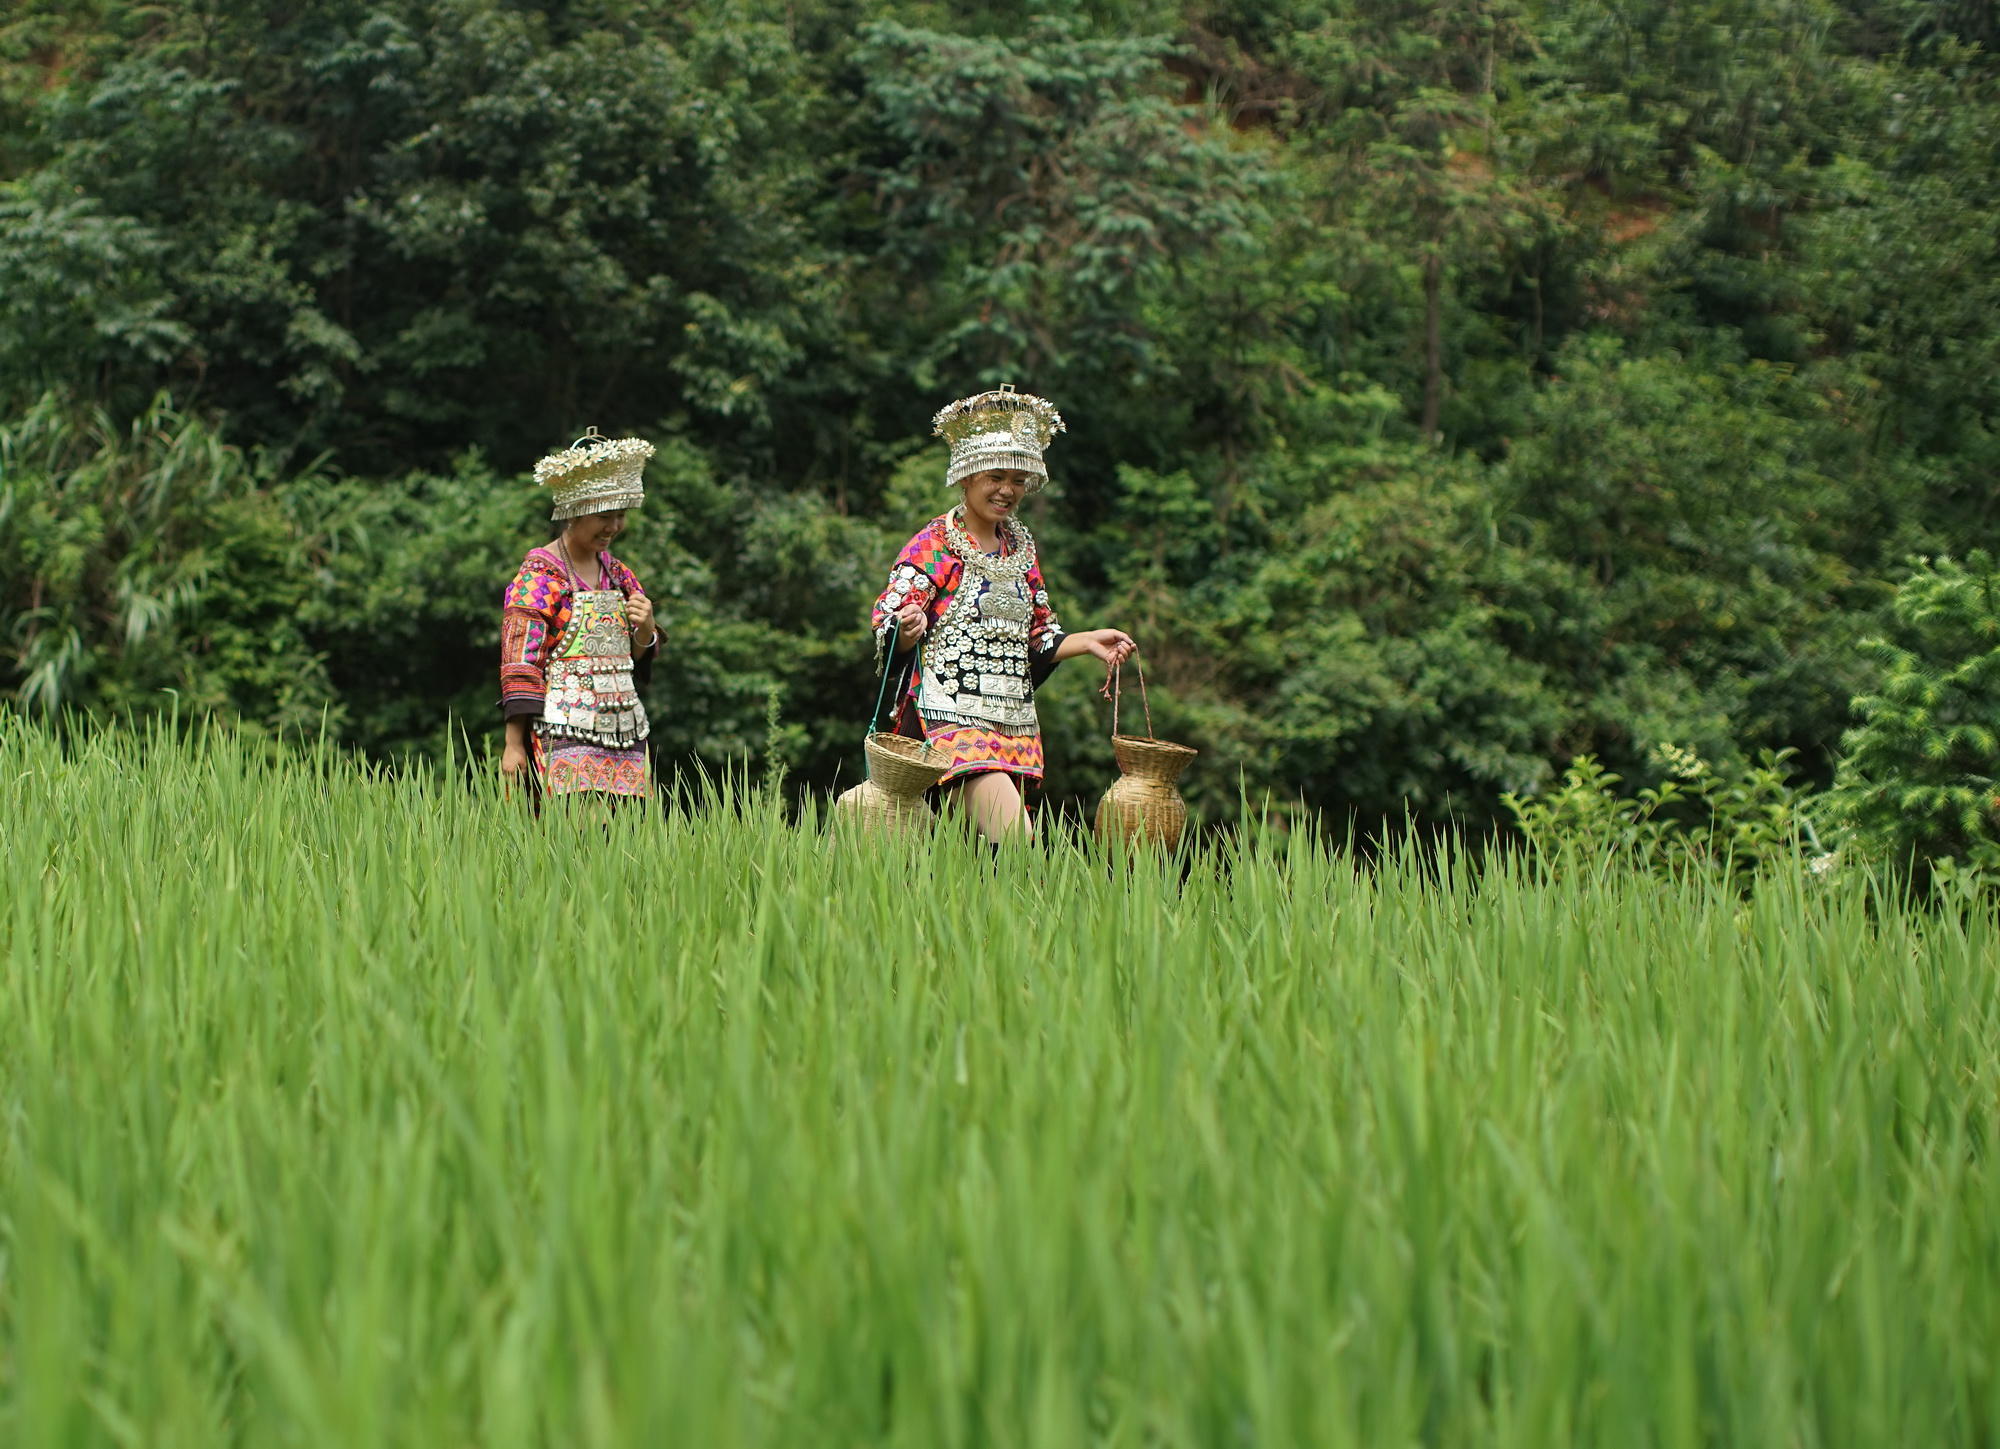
<point>1737,819</point>
<point>149,563</point>
<point>1916,787</point>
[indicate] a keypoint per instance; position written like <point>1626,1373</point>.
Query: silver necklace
<point>1012,565</point>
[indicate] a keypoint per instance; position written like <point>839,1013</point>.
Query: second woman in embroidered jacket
<point>574,626</point>
<point>968,611</point>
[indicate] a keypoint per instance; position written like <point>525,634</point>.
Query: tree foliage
<point>1454,389</point>
<point>1920,783</point>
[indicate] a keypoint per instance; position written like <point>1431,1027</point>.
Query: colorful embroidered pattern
<point>534,612</point>
<point>927,572</point>
<point>974,751</point>
<point>571,767</point>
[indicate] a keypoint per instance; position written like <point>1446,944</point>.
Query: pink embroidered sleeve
<point>909,582</point>
<point>530,620</point>
<point>925,572</point>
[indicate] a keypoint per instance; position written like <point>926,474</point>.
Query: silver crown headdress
<point>595,474</point>
<point>1001,429</point>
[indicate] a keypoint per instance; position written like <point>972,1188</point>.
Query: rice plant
<point>343,1109</point>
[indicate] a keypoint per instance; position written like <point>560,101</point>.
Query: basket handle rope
<point>889,669</point>
<point>1112,689</point>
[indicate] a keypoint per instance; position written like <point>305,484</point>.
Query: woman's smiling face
<point>593,532</point>
<point>995,493</point>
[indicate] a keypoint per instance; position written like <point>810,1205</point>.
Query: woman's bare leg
<point>992,801</point>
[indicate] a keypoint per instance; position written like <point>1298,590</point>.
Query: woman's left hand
<point>1113,646</point>
<point>639,618</point>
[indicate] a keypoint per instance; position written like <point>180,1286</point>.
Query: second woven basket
<point>1142,804</point>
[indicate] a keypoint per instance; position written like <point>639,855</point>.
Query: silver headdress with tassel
<point>999,429</point>
<point>595,474</point>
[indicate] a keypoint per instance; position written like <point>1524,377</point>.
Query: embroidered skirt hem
<point>574,767</point>
<point>976,750</point>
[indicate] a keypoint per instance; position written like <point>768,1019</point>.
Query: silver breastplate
<point>974,665</point>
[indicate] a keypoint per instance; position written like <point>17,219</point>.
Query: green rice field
<point>341,1111</point>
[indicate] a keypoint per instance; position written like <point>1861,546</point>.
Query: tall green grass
<point>344,1111</point>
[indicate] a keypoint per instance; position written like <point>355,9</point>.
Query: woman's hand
<point>911,621</point>
<point>514,763</point>
<point>639,619</point>
<point>514,758</point>
<point>1113,646</point>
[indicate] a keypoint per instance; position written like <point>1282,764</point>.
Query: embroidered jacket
<point>992,636</point>
<point>534,611</point>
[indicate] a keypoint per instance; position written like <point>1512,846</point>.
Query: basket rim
<point>1147,742</point>
<point>911,764</point>
<point>902,747</point>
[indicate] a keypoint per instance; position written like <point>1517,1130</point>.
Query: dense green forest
<point>1454,387</point>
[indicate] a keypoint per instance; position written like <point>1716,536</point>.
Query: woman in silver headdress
<point>573,624</point>
<point>966,613</point>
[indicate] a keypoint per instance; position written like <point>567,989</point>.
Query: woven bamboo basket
<point>1142,804</point>
<point>900,769</point>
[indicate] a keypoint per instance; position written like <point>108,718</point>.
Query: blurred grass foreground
<point>349,1109</point>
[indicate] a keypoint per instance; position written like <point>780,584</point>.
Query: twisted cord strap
<point>888,658</point>
<point>1112,689</point>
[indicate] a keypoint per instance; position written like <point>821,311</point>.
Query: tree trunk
<point>1433,341</point>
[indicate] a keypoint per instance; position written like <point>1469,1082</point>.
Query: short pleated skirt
<point>576,767</point>
<point>974,750</point>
